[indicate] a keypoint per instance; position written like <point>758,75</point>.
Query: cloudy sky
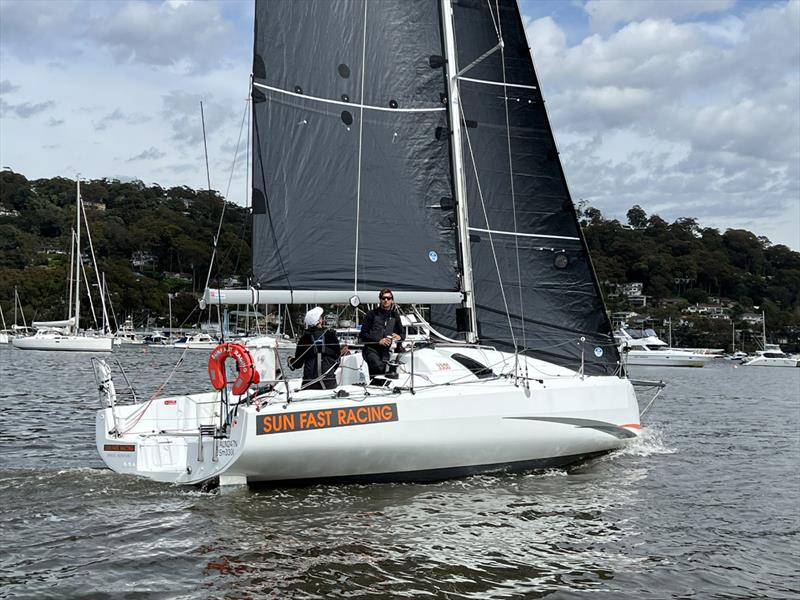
<point>689,108</point>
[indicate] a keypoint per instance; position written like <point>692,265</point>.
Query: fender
<point>246,370</point>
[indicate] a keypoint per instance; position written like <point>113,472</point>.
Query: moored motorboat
<point>647,350</point>
<point>772,356</point>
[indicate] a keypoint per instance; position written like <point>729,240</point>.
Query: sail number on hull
<point>308,420</point>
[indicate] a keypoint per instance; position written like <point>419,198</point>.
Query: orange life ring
<point>246,370</point>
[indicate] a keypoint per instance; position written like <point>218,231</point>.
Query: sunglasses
<point>387,297</point>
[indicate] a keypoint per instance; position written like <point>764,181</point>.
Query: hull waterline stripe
<point>532,235</point>
<point>499,83</point>
<point>350,104</point>
<point>428,475</point>
<point>616,430</point>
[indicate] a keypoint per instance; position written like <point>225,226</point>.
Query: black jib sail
<point>535,288</point>
<point>349,164</point>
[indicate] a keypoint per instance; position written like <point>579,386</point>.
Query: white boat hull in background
<point>666,358</point>
<point>763,361</point>
<point>63,343</point>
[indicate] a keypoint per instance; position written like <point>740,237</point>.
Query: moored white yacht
<point>196,341</point>
<point>49,338</point>
<point>772,356</point>
<point>126,334</point>
<point>647,350</point>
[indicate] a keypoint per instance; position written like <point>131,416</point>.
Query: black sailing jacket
<point>317,349</point>
<point>378,323</point>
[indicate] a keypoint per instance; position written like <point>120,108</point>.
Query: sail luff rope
<point>491,239</point>
<point>360,141</point>
<point>511,177</point>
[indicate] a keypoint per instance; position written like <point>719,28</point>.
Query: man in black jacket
<point>380,328</point>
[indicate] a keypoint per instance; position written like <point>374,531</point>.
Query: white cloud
<point>697,118</point>
<point>605,14</point>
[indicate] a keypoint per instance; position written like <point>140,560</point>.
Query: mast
<point>764,330</point>
<point>71,268</point>
<point>459,182</point>
<point>78,255</point>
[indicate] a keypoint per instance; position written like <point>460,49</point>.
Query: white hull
<point>762,361</point>
<point>667,358</point>
<point>4,339</point>
<point>63,343</point>
<point>379,433</point>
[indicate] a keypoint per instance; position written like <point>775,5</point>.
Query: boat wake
<point>650,442</point>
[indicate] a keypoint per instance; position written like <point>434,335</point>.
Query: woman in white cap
<point>318,351</point>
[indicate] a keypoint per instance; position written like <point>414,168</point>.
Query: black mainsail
<point>353,169</point>
<point>349,163</point>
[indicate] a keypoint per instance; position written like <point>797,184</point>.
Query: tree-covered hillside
<point>681,264</point>
<point>149,242</point>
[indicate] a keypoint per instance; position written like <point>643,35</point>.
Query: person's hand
<point>395,337</point>
<point>386,341</point>
<point>345,350</point>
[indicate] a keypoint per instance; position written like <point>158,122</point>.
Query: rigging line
<point>360,105</point>
<point>497,29</point>
<point>511,180</point>
<point>227,193</point>
<point>94,262</point>
<point>360,141</point>
<point>208,179</point>
<point>486,218</point>
<point>88,294</point>
<point>481,58</point>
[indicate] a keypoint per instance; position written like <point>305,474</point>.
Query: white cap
<point>313,316</point>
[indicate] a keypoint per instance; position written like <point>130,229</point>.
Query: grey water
<point>705,504</point>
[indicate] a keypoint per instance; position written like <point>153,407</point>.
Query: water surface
<point>706,504</point>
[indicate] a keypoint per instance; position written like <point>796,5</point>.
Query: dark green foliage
<point>174,227</point>
<point>683,260</point>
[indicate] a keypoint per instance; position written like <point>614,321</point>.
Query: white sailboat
<point>384,157</point>
<point>64,335</point>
